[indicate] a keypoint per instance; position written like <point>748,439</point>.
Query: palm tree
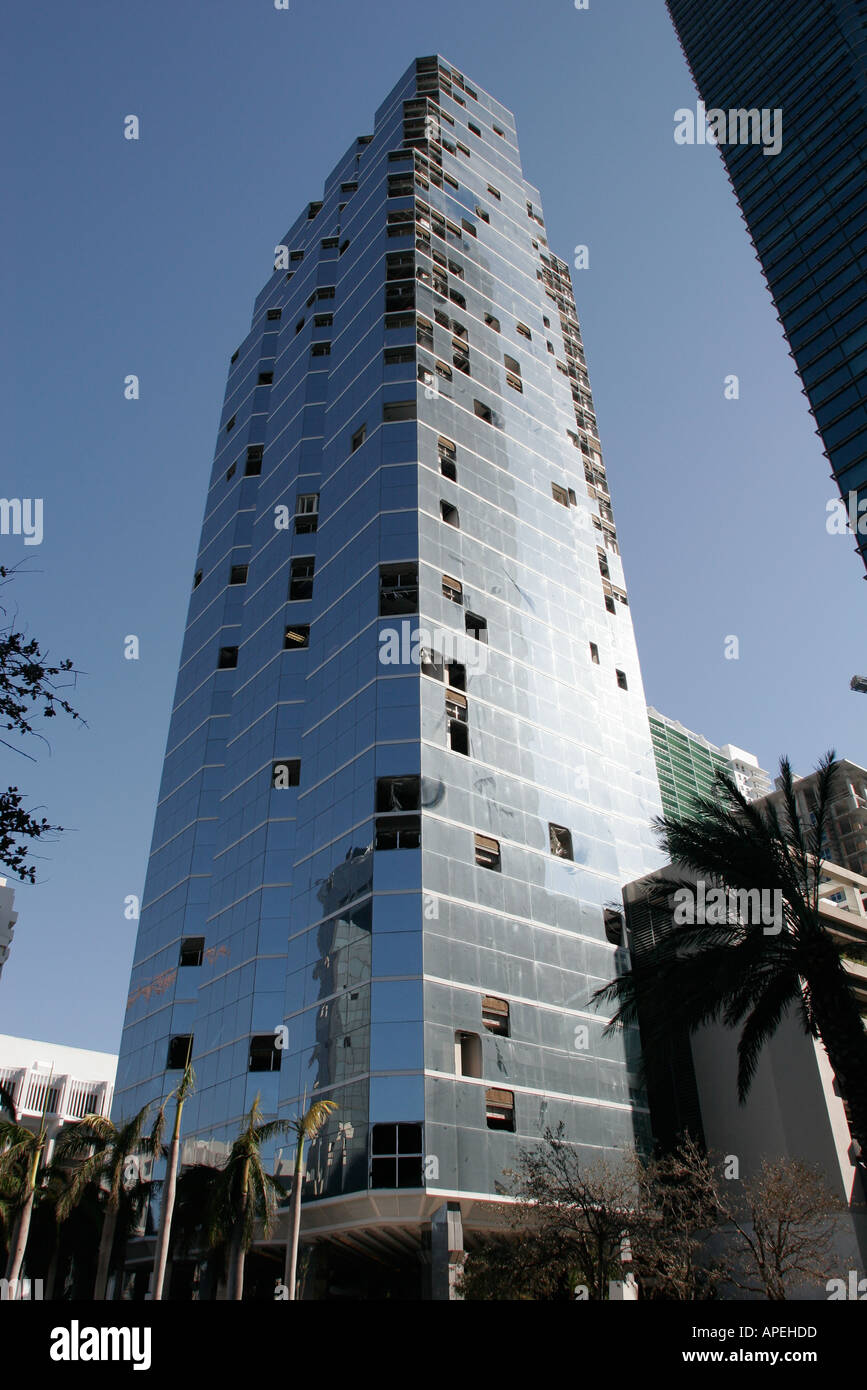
<point>245,1194</point>
<point>21,1154</point>
<point>181,1092</point>
<point>740,974</point>
<point>106,1149</point>
<point>306,1128</point>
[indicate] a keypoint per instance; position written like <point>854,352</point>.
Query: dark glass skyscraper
<point>805,207</point>
<point>409,765</point>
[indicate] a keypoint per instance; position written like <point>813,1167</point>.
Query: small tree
<point>679,1202</point>
<point>569,1226</point>
<point>105,1150</point>
<point>29,688</point>
<point>784,1221</point>
<point>306,1128</point>
<point>246,1195</point>
<point>181,1092</point>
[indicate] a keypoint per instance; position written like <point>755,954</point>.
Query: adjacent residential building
<point>845,841</point>
<point>8,918</point>
<point>797,72</point>
<point>408,765</point>
<point>687,764</point>
<point>62,1083</point>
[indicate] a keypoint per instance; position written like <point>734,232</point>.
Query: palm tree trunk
<point>22,1231</point>
<point>237,1253</point>
<point>290,1272</point>
<point>844,1039</point>
<point>168,1206</point>
<point>106,1245</point>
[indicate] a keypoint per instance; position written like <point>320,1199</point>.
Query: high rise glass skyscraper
<point>409,765</point>
<point>806,205</point>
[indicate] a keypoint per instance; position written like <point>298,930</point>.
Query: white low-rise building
<point>63,1083</point>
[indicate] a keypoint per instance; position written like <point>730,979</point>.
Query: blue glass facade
<point>409,762</point>
<point>805,207</point>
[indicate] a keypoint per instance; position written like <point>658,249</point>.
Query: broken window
<point>238,574</point>
<point>296,637</point>
<point>560,841</point>
<point>453,589</point>
<point>192,950</point>
<point>492,322</point>
<point>301,578</point>
<point>483,412</point>
<point>594,653</point>
<point>621,680</point>
<point>265,378</point>
<point>523,330</point>
<point>560,494</point>
<point>613,925</point>
<point>396,1156</point>
<point>495,1015</point>
<point>487,852</point>
<point>306,513</point>
<point>398,832</point>
<point>285,773</point>
<point>228,659</point>
<point>253,466</point>
<point>179,1050</point>
<point>398,793</point>
<point>457,675</point>
<point>449,514</point>
<point>468,1054</point>
<point>265,1055</point>
<point>476,627</point>
<point>500,1109</point>
<point>398,590</point>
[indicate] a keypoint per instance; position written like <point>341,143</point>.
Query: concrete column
<point>447,1249</point>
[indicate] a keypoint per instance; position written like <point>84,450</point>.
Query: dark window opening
<point>285,773</point>
<point>253,466</point>
<point>398,410</point>
<point>398,590</point>
<point>180,1048</point>
<point>192,950</point>
<point>297,637</point>
<point>449,514</point>
<point>613,925</point>
<point>265,1055</point>
<point>560,841</point>
<point>594,653</point>
<point>228,659</point>
<point>231,424</point>
<point>230,472</point>
<point>359,437</point>
<point>235,355</point>
<point>476,627</point>
<point>457,674</point>
<point>238,574</point>
<point>560,494</point>
<point>301,578</point>
<point>274,313</point>
<point>398,793</point>
<point>453,589</point>
<point>197,579</point>
<point>398,832</point>
<point>621,680</point>
<point>265,378</point>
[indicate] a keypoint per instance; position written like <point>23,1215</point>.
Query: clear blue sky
<point>145,257</point>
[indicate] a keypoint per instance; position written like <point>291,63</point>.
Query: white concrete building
<point>66,1083</point>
